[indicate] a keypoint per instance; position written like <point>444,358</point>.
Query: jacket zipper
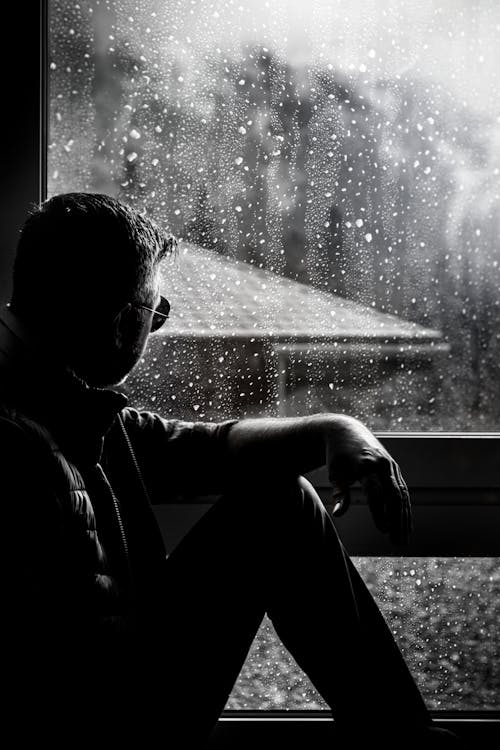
<point>134,459</point>
<point>118,514</point>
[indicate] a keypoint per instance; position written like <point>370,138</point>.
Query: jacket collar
<point>77,415</point>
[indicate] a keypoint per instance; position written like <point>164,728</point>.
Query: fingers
<point>341,500</point>
<point>398,505</point>
<point>408,517</point>
<point>386,491</point>
<point>389,501</point>
<point>375,495</point>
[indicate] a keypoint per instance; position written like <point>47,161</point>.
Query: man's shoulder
<point>26,454</point>
<point>19,431</point>
<point>12,421</point>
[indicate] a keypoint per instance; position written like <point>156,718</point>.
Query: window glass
<point>333,171</point>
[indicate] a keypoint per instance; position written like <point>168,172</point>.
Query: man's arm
<point>349,449</point>
<point>178,459</point>
<point>193,458</point>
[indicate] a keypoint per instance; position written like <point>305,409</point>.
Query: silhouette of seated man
<point>108,640</point>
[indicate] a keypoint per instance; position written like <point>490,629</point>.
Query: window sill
<point>316,729</point>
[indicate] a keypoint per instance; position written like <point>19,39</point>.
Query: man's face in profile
<point>108,352</point>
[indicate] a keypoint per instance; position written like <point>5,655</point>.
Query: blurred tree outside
<point>383,192</point>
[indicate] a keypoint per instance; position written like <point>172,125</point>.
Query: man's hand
<point>274,446</point>
<point>353,454</point>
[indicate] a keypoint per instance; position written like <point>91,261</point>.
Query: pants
<point>274,549</point>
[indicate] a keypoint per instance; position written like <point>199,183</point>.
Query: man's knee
<point>274,505</point>
<point>290,497</point>
<point>308,491</point>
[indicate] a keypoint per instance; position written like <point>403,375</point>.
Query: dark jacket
<point>84,556</point>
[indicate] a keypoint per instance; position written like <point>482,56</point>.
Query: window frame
<point>444,471</point>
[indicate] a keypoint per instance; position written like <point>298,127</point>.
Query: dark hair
<point>84,250</point>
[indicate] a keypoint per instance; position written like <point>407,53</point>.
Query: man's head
<point>85,270</point>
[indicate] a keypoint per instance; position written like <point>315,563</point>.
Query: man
<point>108,640</point>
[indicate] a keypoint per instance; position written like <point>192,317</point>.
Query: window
<point>333,173</point>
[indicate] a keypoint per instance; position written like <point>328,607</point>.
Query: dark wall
<point>19,127</point>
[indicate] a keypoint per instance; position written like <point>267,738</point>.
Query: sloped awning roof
<point>214,296</point>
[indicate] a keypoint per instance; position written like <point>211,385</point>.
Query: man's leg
<point>274,548</point>
<point>329,621</point>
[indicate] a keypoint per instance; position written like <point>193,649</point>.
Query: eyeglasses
<point>160,312</point>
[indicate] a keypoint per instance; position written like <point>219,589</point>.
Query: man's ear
<point>120,324</point>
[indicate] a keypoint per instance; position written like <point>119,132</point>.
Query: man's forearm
<point>284,444</point>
